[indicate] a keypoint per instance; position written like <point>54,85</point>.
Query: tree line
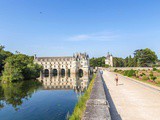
<point>17,67</point>
<point>141,58</point>
<point>98,62</point>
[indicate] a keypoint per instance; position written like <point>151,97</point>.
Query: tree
<point>97,62</point>
<point>20,67</point>
<point>118,62</point>
<point>3,55</point>
<point>145,57</point>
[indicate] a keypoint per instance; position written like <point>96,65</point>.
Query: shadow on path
<point>113,111</point>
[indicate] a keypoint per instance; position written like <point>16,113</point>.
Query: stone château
<point>109,60</point>
<point>79,62</point>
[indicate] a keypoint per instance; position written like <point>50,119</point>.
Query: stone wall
<point>134,68</point>
<point>97,107</point>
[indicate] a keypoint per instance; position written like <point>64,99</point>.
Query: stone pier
<point>97,107</point>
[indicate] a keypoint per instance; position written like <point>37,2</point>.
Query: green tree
<point>97,62</point>
<point>3,55</point>
<point>118,62</point>
<point>18,67</point>
<point>145,57</point>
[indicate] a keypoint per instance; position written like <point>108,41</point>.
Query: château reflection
<point>17,93</point>
<point>70,81</point>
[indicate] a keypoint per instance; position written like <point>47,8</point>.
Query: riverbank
<point>81,105</point>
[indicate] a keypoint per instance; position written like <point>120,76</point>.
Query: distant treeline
<point>141,58</point>
<point>98,62</point>
<point>17,67</point>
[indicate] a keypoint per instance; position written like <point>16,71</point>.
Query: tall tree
<point>3,55</point>
<point>145,57</point>
<point>18,67</point>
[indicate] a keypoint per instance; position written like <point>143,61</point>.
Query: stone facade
<point>71,64</point>
<point>109,60</point>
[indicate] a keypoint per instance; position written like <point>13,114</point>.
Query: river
<point>48,98</point>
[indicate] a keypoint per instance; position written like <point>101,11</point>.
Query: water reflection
<point>42,99</point>
<point>78,84</point>
<point>14,93</point>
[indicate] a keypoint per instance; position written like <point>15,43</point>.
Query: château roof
<point>54,57</point>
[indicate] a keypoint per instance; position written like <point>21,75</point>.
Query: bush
<point>125,73</point>
<point>153,78</point>
<point>151,74</point>
<point>131,73</point>
<point>106,66</point>
<point>115,70</point>
<point>145,78</point>
<point>158,70</point>
<point>142,74</point>
<point>154,69</point>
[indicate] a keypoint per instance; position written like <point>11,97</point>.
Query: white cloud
<point>100,36</point>
<point>80,37</point>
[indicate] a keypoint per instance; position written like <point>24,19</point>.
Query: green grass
<point>81,105</point>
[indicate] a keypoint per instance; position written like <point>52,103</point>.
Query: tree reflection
<point>14,93</point>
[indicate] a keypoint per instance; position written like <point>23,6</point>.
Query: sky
<point>64,27</point>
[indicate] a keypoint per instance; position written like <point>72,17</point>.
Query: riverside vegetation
<point>17,67</point>
<point>81,105</point>
<point>148,76</point>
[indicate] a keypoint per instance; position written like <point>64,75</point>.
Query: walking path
<point>131,100</point>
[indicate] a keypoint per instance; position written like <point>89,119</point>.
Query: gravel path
<point>131,100</point>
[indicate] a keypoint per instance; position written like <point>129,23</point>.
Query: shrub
<point>154,69</point>
<point>145,78</point>
<point>153,78</point>
<point>158,70</point>
<point>115,70</point>
<point>125,73</point>
<point>142,74</point>
<point>151,74</point>
<point>121,71</point>
<point>107,66</point>
<point>131,73</point>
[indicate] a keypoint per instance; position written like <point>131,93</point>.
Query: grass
<point>81,105</point>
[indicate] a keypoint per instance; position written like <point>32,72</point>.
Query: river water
<point>49,98</point>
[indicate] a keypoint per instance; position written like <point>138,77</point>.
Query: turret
<point>35,56</point>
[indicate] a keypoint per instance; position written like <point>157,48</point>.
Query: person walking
<point>116,79</point>
<point>102,72</point>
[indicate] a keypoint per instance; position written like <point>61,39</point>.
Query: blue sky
<point>62,27</point>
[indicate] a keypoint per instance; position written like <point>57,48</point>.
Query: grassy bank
<point>148,76</point>
<point>81,105</point>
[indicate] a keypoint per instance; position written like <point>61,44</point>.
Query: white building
<point>79,62</point>
<point>109,60</point>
